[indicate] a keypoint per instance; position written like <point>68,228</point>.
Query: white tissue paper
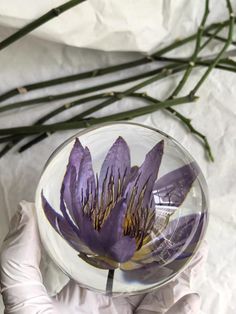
<point>111,25</point>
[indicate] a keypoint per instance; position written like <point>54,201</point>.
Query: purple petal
<point>112,229</point>
<point>179,234</point>
<point>116,165</point>
<point>130,177</point>
<point>85,177</point>
<point>87,233</point>
<point>146,176</point>
<point>123,250</point>
<point>109,241</point>
<point>151,272</point>
<point>76,156</point>
<point>78,186</point>
<point>172,188</point>
<point>61,226</point>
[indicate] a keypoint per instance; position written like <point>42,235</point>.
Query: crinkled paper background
<point>60,48</point>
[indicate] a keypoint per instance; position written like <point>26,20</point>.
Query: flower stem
<point>107,70</point>
<point>41,137</point>
<point>126,115</point>
<point>87,90</point>
<point>38,22</point>
<point>220,38</point>
<point>109,285</point>
<point>113,98</point>
<point>15,139</point>
<point>183,119</point>
<point>212,35</point>
<point>95,88</point>
<point>188,124</point>
<point>195,53</point>
<point>220,54</point>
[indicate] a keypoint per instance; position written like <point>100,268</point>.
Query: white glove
<point>24,293</point>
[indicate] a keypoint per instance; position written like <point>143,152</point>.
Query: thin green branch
<point>95,88</point>
<point>113,98</point>
<point>38,22</point>
<point>130,114</point>
<point>88,90</point>
<point>220,38</point>
<point>223,64</point>
<point>184,120</point>
<point>212,36</point>
<point>15,139</point>
<point>228,61</point>
<point>129,91</point>
<point>187,123</point>
<point>71,78</point>
<point>102,71</point>
<point>195,52</point>
<point>221,53</point>
<point>145,97</point>
<point>178,65</point>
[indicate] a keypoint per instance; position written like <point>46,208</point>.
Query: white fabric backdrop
<point>111,25</point>
<point>34,59</point>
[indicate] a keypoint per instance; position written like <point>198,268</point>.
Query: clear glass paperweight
<point>122,208</point>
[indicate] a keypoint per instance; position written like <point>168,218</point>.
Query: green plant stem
<point>130,114</point>
<point>15,139</point>
<point>224,64</point>
<point>220,54</point>
<point>38,22</point>
<point>95,88</point>
<point>228,61</point>
<point>212,36</point>
<point>195,53</point>
<point>128,91</point>
<point>220,38</point>
<point>114,97</point>
<point>145,97</point>
<point>184,120</point>
<point>188,124</point>
<point>109,284</point>
<point>198,48</point>
<point>88,90</point>
<point>111,69</point>
<point>80,116</point>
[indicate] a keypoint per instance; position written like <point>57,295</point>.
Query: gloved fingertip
<point>15,221</point>
<point>23,216</point>
<point>188,304</point>
<point>26,208</point>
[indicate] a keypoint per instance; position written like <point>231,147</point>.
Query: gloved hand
<point>23,291</point>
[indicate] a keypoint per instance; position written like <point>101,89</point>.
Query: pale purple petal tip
<point>79,181</point>
<point>172,188</point>
<point>75,158</point>
<point>176,250</point>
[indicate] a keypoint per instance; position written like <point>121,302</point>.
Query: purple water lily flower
<point>116,219</point>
